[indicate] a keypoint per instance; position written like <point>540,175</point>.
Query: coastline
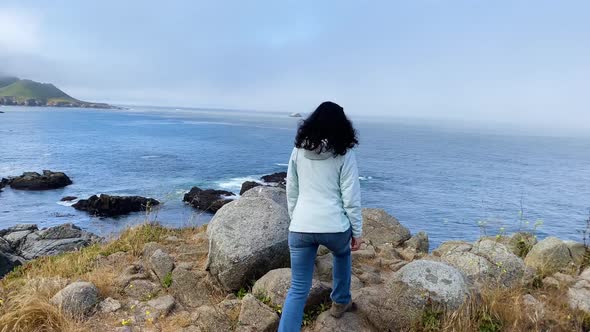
<point>173,280</point>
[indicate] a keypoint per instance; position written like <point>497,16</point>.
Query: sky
<point>505,61</point>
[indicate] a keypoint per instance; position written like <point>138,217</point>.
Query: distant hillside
<point>15,91</point>
<point>4,81</point>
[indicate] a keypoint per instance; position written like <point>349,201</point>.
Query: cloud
<point>20,32</point>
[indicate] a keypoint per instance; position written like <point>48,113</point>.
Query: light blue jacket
<point>323,193</point>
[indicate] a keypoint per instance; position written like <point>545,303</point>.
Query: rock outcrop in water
<point>35,181</point>
<point>112,206</point>
<point>24,242</point>
<point>272,180</point>
<point>209,200</point>
<point>3,183</point>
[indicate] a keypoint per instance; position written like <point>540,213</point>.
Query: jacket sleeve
<point>292,183</point>
<point>350,190</point>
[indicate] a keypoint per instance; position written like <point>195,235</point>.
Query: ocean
<point>453,183</point>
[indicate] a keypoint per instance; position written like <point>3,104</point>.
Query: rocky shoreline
<point>34,102</point>
<point>233,274</point>
<point>25,242</point>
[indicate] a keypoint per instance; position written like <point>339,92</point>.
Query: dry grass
<point>28,309</point>
<point>25,292</point>
<point>501,309</point>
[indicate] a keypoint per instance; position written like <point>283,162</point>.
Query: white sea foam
<point>150,157</point>
<point>67,203</point>
<point>365,178</point>
<point>234,184</point>
<point>282,165</point>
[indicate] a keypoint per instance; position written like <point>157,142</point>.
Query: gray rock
<point>442,283</point>
<point>15,238</point>
<point>247,238</point>
<point>161,263</point>
<point>8,262</point>
<point>277,194</point>
<point>474,267</point>
<point>549,256</point>
<point>380,228</point>
<point>18,228</point>
<point>505,267</point>
<point>192,288</point>
<point>323,267</point>
<point>350,321</point>
<point>163,304</point>
<point>387,310</point>
<point>577,251</point>
<point>149,249</point>
<point>275,285</point>
<point>255,316</point>
<point>209,318</point>
<point>77,299</point>
<point>109,305</point>
<point>34,247</point>
<point>579,294</point>
<point>418,242</point>
<point>142,289</point>
<point>130,273</point>
<point>451,246</point>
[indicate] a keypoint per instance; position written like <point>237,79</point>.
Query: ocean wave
<point>365,178</point>
<point>235,184</point>
<point>67,203</point>
<point>282,165</point>
<point>215,123</point>
<point>150,157</point>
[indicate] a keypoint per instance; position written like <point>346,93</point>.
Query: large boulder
<point>275,285</point>
<point>381,228</point>
<point>112,206</point>
<point>209,200</point>
<point>413,288</point>
<point>579,294</point>
<point>443,284</point>
<point>35,181</point>
<point>247,238</point>
<point>275,194</point>
<point>505,267</point>
<point>549,256</point>
<point>77,299</point>
<point>55,240</point>
<point>485,261</point>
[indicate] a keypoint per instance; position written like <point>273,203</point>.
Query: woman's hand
<point>355,244</point>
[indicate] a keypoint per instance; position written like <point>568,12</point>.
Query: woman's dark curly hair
<point>327,129</point>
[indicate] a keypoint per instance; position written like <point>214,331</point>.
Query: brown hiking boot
<point>338,309</point>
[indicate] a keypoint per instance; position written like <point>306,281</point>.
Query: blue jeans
<point>304,247</point>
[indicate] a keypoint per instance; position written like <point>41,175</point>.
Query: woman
<point>324,201</point>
